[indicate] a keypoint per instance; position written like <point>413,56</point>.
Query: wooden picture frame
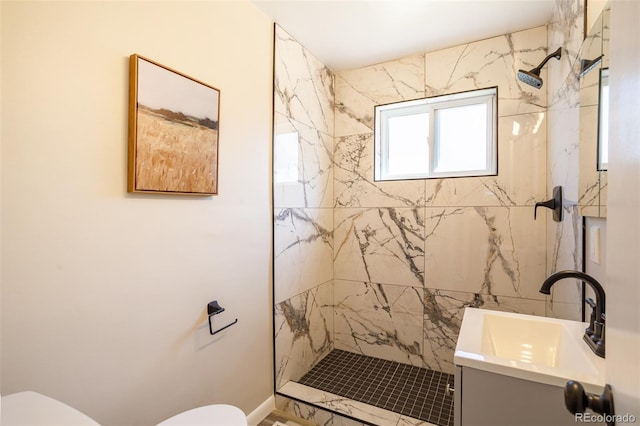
<point>173,131</point>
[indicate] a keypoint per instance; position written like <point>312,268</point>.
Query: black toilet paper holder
<point>214,308</point>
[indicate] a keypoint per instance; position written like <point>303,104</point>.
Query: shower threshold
<point>377,391</point>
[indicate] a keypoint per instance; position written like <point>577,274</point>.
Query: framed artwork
<point>173,131</point>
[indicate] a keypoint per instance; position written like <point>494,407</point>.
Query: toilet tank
<point>30,408</point>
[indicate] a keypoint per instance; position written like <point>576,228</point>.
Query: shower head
<point>532,77</point>
<point>587,65</point>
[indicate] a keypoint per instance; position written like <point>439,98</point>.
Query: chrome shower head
<point>532,77</point>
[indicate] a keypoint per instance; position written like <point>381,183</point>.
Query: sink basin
<point>540,349</point>
<point>524,340</point>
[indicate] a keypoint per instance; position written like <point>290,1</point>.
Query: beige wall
<point>104,293</point>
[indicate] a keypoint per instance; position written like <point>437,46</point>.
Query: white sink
<point>544,350</point>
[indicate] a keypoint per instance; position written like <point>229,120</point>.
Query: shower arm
<point>557,54</point>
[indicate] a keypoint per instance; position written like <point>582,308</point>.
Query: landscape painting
<point>173,131</point>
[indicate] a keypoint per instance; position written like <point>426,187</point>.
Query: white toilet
<point>216,415</point>
<point>33,409</point>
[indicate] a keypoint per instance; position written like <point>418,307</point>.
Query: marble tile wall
<point>593,183</point>
<point>387,268</point>
<point>410,255</point>
<point>342,412</point>
<point>589,188</point>
<point>565,238</point>
<point>303,332</point>
<point>303,208</point>
<point>315,414</point>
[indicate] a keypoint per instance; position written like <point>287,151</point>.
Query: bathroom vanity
<point>494,399</point>
<point>511,369</point>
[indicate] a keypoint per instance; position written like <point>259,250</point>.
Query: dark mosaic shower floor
<point>405,389</point>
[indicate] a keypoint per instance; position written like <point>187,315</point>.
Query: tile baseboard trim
<point>291,417</point>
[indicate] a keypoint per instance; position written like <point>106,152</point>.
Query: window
<point>444,136</point>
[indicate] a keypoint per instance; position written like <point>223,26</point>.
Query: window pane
<point>438,137</point>
<point>407,144</point>
<point>461,136</point>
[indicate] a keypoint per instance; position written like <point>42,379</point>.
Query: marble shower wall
<point>565,238</point>
<point>387,268</point>
<point>303,208</point>
<point>592,190</point>
<point>409,256</point>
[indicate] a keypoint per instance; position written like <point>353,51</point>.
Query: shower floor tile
<point>405,389</point>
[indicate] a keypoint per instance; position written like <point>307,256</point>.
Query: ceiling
<point>347,34</point>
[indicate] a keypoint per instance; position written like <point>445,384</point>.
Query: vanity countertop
<point>539,349</point>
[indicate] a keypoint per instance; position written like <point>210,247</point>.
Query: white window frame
<point>431,106</point>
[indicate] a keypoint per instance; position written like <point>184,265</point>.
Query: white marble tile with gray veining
<point>303,250</point>
<point>410,421</point>
<point>564,248</point>
<point>443,312</point>
<point>359,91</point>
<point>567,93</point>
<point>354,185</point>
<point>563,153</point>
<point>564,252</point>
<point>302,165</point>
<point>303,86</point>
<point>589,83</point>
<point>566,30</point>
<point>604,186</point>
<point>442,318</point>
<point>521,179</point>
<point>589,186</point>
<point>606,36</point>
<point>303,332</point>
<point>497,251</point>
<point>566,27</point>
<point>384,245</point>
<point>488,63</point>
<point>312,413</point>
<point>342,405</point>
<point>565,150</point>
<point>378,320</point>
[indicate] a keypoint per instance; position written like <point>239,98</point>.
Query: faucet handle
<point>592,319</point>
<point>550,204</point>
<point>554,204</point>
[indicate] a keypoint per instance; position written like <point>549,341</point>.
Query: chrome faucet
<point>594,334</point>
